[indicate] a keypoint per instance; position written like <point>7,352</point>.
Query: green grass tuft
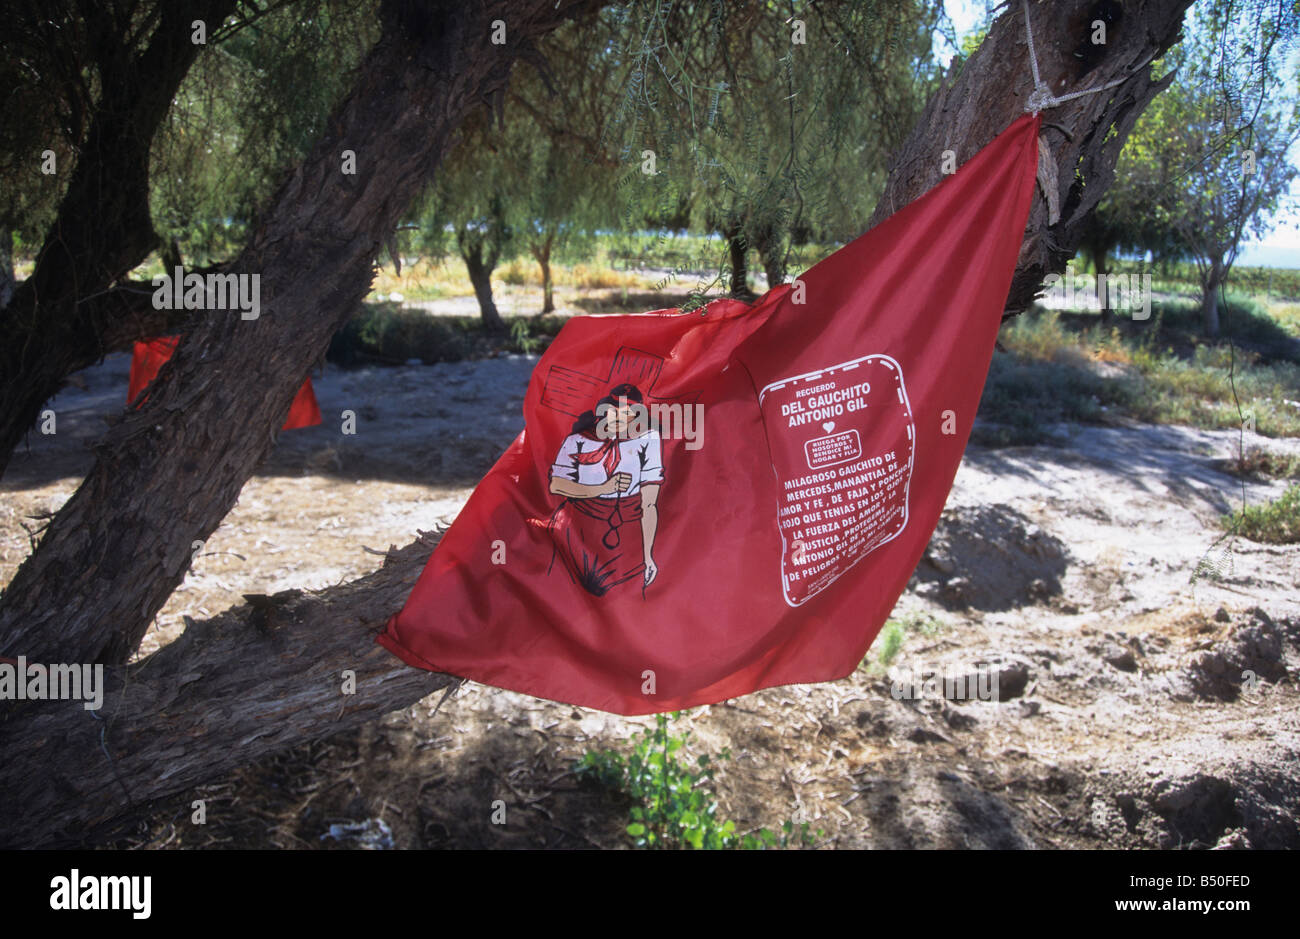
<point>1276,522</point>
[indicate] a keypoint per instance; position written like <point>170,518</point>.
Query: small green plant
<point>1217,562</point>
<point>1276,522</point>
<point>926,624</point>
<point>1259,462</point>
<point>673,806</point>
<point>522,335</point>
<point>892,641</point>
<point>895,630</point>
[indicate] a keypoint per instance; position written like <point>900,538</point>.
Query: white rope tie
<point>1041,97</point>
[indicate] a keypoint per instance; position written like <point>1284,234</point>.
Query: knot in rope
<point>1041,97</point>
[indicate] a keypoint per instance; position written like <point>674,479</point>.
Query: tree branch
<point>103,228</point>
<point>982,96</point>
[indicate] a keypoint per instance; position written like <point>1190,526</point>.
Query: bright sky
<point>1280,248</point>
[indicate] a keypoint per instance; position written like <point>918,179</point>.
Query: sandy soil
<point>1137,709</point>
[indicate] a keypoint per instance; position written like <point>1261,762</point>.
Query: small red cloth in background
<point>148,357</point>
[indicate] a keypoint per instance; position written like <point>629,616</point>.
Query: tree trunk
<point>6,266</point>
<point>774,266</point>
<point>542,252</point>
<point>166,475</point>
<point>1101,261</point>
<point>103,228</point>
<point>738,253</point>
<point>1210,300</point>
<point>183,711</point>
<point>480,275</point>
<point>979,99</point>
<point>170,254</point>
<point>769,242</point>
<point>127,315</point>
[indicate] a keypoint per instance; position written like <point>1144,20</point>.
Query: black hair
<point>587,420</point>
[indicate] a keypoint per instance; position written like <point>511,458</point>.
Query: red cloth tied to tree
<point>148,357</point>
<point>770,548</point>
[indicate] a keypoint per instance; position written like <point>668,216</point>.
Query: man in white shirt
<point>609,470</point>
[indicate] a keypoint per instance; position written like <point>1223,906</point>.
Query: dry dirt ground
<point>1136,709</point>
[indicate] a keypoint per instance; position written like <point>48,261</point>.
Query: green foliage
<point>41,113</point>
<point>1245,321</point>
<point>521,334</point>
<point>251,106</point>
<point>769,141</point>
<point>923,624</point>
<point>1048,375</point>
<point>482,204</point>
<point>894,632</point>
<point>1043,379</point>
<point>253,102</point>
<point>1217,561</point>
<point>891,641</point>
<point>1182,277</point>
<point>1259,462</point>
<point>1207,165</point>
<point>1199,392</point>
<point>1276,522</point>
<point>388,334</point>
<point>672,805</point>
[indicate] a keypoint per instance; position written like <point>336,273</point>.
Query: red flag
<point>616,557</point>
<point>148,357</point>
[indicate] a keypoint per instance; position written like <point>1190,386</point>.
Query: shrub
<point>1258,462</point>
<point>1276,522</point>
<point>672,805</point>
<point>389,334</point>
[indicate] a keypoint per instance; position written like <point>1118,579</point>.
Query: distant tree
<point>1127,218</point>
<point>121,136</point>
<point>85,87</point>
<point>477,205</point>
<point>559,121</point>
<point>562,204</point>
<point>1222,133</point>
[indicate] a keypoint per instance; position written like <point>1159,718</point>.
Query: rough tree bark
<point>258,678</point>
<point>183,709</point>
<point>167,474</point>
<point>49,330</point>
<point>769,242</point>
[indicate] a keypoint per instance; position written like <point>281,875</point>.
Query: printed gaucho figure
<point>609,470</point>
